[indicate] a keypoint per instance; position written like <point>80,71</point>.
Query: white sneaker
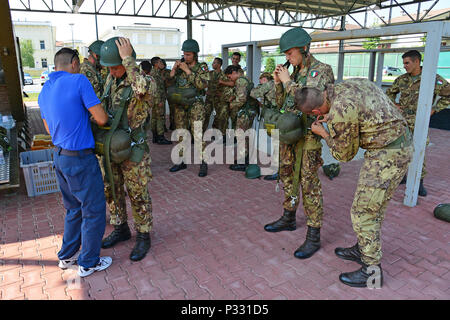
<point>66,263</point>
<point>104,263</point>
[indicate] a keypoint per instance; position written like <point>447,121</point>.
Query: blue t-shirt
<point>64,102</point>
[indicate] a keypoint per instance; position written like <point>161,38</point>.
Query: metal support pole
<point>380,64</point>
<point>225,57</point>
<point>96,27</point>
<point>340,71</point>
<point>371,75</point>
<point>189,21</point>
<point>427,83</point>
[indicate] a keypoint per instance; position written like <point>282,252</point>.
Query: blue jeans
<point>81,184</point>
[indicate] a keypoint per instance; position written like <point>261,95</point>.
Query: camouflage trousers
<point>221,117</point>
<point>379,177</point>
<point>424,166</point>
<point>209,106</point>
<point>158,119</point>
<point>135,176</point>
<point>171,114</point>
<point>244,122</point>
<point>310,184</point>
<point>233,111</point>
<point>185,118</point>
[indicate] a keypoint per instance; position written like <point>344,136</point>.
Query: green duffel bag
<point>182,96</point>
<point>442,212</point>
<point>291,127</point>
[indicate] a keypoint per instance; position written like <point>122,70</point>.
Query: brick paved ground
<point>208,242</point>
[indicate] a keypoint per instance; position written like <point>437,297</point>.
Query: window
<point>42,44</point>
<point>149,38</point>
<point>162,38</point>
<point>44,63</point>
<point>134,38</point>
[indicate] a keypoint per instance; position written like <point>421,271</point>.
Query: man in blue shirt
<point>67,102</point>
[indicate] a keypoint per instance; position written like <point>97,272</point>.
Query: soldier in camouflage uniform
<point>215,98</point>
<point>134,173</point>
<point>244,118</point>
<point>165,73</point>
<point>159,103</point>
<point>92,68</point>
<point>360,115</point>
<point>307,72</point>
<point>265,92</point>
<point>184,75</point>
<point>408,86</point>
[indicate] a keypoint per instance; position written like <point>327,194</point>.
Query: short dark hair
<point>413,54</point>
<point>155,60</point>
<point>231,68</point>
<point>164,63</point>
<point>219,60</point>
<point>65,57</point>
<point>307,99</point>
<point>146,66</point>
<point>236,53</point>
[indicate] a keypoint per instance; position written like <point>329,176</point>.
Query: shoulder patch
<point>439,81</point>
<point>204,67</point>
<point>314,73</point>
<point>88,74</point>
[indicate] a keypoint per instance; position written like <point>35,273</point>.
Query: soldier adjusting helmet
<point>294,38</point>
<point>109,53</point>
<point>190,45</point>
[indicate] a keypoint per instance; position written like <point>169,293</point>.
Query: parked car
<point>27,79</point>
<point>392,71</point>
<point>44,77</point>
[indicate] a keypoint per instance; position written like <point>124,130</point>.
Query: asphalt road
<point>33,88</point>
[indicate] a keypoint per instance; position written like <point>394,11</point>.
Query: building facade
<point>149,41</point>
<point>43,38</point>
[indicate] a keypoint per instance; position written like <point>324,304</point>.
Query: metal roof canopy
<point>434,31</point>
<point>311,14</point>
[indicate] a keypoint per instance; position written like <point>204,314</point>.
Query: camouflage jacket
<point>361,115</point>
<point>198,78</point>
<point>144,89</point>
<point>314,74</point>
<point>240,93</point>
<point>160,96</point>
<point>94,77</point>
<point>215,91</point>
<point>408,87</point>
<point>265,92</point>
<point>165,74</point>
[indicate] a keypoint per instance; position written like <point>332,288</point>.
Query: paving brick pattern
<point>208,241</point>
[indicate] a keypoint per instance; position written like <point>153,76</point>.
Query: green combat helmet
<point>109,53</point>
<point>252,171</point>
<point>294,38</point>
<point>190,45</point>
<point>442,212</point>
<point>96,46</point>
<point>332,170</point>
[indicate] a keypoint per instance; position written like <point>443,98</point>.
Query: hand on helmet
<point>124,46</point>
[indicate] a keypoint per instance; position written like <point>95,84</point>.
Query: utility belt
<point>73,153</point>
<point>401,142</point>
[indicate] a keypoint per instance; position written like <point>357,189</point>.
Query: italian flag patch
<point>439,82</point>
<point>314,73</point>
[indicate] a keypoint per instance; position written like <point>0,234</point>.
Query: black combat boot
<point>203,169</point>
<point>311,244</point>
<point>272,177</point>
<point>178,167</point>
<point>154,137</point>
<point>403,180</point>
<point>141,247</point>
<point>360,277</point>
<point>172,126</point>
<point>351,253</point>
<point>285,223</point>
<point>240,167</point>
<point>120,233</point>
<point>162,140</point>
<point>422,190</point>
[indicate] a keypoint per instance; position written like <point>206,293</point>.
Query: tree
<point>26,53</point>
<point>270,65</point>
<point>371,43</point>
